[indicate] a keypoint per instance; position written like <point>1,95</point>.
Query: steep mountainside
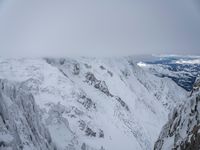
<point>20,121</point>
<point>89,103</point>
<point>182,131</point>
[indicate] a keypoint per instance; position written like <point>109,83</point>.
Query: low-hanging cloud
<point>99,28</point>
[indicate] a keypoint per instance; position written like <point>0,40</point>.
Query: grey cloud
<point>92,27</point>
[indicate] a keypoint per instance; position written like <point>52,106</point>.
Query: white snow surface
<point>90,103</point>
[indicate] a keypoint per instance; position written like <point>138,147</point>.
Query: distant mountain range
<point>181,69</point>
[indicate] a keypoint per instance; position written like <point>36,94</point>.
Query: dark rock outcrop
<point>101,85</point>
<point>182,131</point>
<point>98,84</point>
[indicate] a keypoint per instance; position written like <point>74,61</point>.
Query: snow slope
<point>90,103</point>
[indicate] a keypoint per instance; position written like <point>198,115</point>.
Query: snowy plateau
<point>85,104</point>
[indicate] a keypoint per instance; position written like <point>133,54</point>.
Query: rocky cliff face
<point>182,131</point>
<point>20,121</point>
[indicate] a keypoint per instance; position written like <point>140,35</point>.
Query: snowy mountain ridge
<point>90,103</point>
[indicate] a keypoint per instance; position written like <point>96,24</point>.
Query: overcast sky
<point>99,27</point>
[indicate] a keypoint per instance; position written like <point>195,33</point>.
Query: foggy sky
<point>99,27</point>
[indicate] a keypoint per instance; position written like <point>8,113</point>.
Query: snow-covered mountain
<point>182,131</point>
<point>87,103</point>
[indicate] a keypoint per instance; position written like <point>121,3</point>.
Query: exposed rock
<point>110,73</point>
<point>101,85</point>
<point>62,61</point>
<point>76,69</point>
<point>83,147</point>
<point>86,102</point>
<point>101,133</point>
<point>98,84</point>
<point>182,131</point>
<point>126,73</point>
<point>123,104</point>
<point>90,132</point>
<point>102,67</point>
